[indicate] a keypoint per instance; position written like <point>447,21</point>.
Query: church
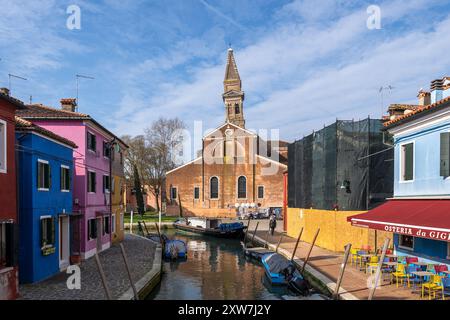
<point>235,170</point>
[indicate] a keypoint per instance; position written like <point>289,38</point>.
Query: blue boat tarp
<point>175,248</point>
<point>278,267</point>
<point>231,226</point>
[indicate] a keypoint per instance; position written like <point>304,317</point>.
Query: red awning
<point>419,218</point>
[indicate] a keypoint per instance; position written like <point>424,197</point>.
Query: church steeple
<point>233,96</point>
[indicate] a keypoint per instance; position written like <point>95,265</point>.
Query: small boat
<point>175,249</point>
<point>211,227</point>
<point>281,271</point>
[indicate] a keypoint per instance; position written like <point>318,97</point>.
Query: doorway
<point>64,242</point>
<point>99,235</point>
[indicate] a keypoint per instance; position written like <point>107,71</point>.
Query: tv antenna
<point>381,91</point>
<point>78,76</point>
<point>13,76</point>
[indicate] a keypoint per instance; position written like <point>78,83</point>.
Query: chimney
<point>424,98</point>
<point>5,91</point>
<point>437,87</point>
<point>69,104</point>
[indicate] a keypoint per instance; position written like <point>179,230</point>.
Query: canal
<point>215,269</point>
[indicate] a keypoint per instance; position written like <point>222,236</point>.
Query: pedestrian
<point>272,224</point>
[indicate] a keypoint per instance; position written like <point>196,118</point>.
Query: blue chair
<point>360,259</point>
<point>445,287</point>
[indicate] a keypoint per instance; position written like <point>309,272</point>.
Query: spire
<point>231,71</point>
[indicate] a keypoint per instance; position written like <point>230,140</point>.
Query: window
<point>448,250</point>
<point>214,188</point>
<point>92,229</point>
<point>106,150</point>
<point>113,223</point>
<point>196,193</point>
<point>65,178</point>
<point>445,154</point>
<point>92,183</point>
<point>91,142</point>
<point>121,157</point>
<point>113,185</point>
<point>173,193</point>
<point>237,109</point>
<point>3,150</point>
<point>47,232</point>
<point>121,221</point>
<point>260,192</point>
<point>106,225</point>
<point>6,244</point>
<point>106,184</point>
<point>43,176</point>
<point>242,187</point>
<point>407,162</point>
<point>406,242</point>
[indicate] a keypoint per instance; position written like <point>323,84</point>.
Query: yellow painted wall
<point>335,231</point>
<point>118,208</point>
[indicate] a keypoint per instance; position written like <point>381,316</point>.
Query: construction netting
<point>346,166</point>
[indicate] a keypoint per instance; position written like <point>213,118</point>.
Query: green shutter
<point>408,162</point>
<point>445,154</point>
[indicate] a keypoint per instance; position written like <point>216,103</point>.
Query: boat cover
<point>178,245</point>
<point>277,263</point>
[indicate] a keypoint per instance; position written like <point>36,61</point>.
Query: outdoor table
<point>422,274</point>
<point>390,263</point>
<point>364,257</point>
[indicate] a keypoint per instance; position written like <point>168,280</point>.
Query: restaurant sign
<point>415,231</point>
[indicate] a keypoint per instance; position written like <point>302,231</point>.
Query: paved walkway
<point>328,263</point>
<point>140,253</point>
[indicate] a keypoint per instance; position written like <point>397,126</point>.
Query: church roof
<point>231,71</point>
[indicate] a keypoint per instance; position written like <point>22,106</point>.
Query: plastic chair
<point>359,258</point>
<point>354,256</point>
<point>399,274</point>
<point>439,269</point>
<point>366,248</point>
<point>412,277</point>
<point>445,287</point>
<point>434,285</point>
<point>372,265</point>
<point>411,260</point>
<point>401,259</point>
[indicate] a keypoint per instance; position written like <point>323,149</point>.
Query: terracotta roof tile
<point>24,125</point>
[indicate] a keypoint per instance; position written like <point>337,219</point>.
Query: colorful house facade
<point>45,168</point>
<point>92,173</point>
<point>419,213</point>
<point>8,198</point>
<point>118,199</point>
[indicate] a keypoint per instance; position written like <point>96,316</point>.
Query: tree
<point>138,191</point>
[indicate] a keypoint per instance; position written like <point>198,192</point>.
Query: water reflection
<point>215,269</point>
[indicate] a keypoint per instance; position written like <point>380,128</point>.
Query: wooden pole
<point>159,233</point>
<point>378,272</point>
<point>145,227</point>
<point>254,233</point>
<point>246,232</point>
<point>296,244</point>
<point>179,204</point>
<point>310,250</point>
<point>102,276</point>
<point>267,239</point>
<point>279,242</point>
<point>125,259</point>
<point>341,274</point>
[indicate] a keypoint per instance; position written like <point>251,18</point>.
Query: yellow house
<point>118,199</point>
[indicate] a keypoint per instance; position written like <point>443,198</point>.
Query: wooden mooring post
<point>145,227</point>
<point>159,233</point>
<point>267,239</point>
<point>341,273</point>
<point>246,232</point>
<point>279,242</point>
<point>310,250</point>
<point>378,272</point>
<point>254,233</point>
<point>296,244</point>
<point>103,277</point>
<point>127,266</point>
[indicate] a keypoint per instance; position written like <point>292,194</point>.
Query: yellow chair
<point>434,285</point>
<point>372,265</point>
<point>354,256</point>
<point>400,273</point>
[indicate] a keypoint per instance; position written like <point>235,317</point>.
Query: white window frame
<point>400,241</point>
<point>218,188</point>
<point>237,188</point>
<point>47,163</point>
<point>87,144</point>
<point>257,191</point>
<point>48,246</point>
<point>413,142</point>
<point>107,191</point>
<point>113,223</point>
<point>4,169</point>
<point>87,229</point>
<point>92,171</point>
<point>68,168</point>
<point>111,150</point>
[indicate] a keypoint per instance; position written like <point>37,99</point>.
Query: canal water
<point>215,269</point>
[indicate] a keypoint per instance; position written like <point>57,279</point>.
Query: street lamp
<point>157,195</point>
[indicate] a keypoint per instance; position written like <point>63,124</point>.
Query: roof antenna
<point>381,91</point>
<point>78,76</point>
<point>13,76</point>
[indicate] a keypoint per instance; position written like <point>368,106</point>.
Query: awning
<point>419,218</point>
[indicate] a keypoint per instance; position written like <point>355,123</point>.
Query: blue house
<point>419,213</point>
<point>45,168</point>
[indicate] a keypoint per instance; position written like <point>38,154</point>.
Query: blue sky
<point>303,63</point>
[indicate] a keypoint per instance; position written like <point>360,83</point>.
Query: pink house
<point>91,226</point>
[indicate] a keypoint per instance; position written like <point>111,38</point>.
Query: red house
<point>8,198</point>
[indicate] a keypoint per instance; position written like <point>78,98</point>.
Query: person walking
<point>272,224</point>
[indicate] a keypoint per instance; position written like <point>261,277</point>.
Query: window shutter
<point>38,174</point>
<point>42,233</point>
<point>52,230</point>
<point>445,154</point>
<point>409,162</point>
<point>61,178</point>
<point>49,175</point>
<point>104,184</point>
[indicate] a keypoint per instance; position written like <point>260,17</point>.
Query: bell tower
<point>233,96</point>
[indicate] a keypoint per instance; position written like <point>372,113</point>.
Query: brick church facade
<point>235,168</point>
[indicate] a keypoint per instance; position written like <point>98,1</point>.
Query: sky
<point>303,63</point>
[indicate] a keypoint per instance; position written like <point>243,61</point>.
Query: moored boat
<point>175,249</point>
<point>211,227</point>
